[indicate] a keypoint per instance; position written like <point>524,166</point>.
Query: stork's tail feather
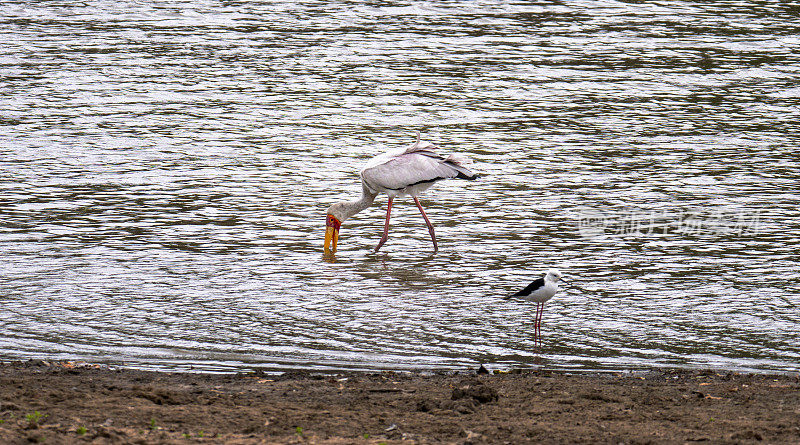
<point>469,175</point>
<point>463,172</point>
<point>457,163</point>
<point>454,161</point>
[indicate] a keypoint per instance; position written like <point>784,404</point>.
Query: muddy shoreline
<point>66,402</point>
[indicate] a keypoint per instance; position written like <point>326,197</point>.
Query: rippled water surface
<point>165,169</point>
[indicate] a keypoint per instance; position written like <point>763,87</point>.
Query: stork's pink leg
<point>427,221</point>
<point>386,226</point>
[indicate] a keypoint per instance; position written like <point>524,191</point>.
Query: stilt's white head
<point>553,275</point>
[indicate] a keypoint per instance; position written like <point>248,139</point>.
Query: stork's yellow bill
<point>332,226</point>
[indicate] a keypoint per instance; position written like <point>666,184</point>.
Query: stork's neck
<point>350,208</point>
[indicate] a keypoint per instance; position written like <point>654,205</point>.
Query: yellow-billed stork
<point>407,171</point>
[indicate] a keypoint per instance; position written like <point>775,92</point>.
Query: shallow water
<point>165,169</point>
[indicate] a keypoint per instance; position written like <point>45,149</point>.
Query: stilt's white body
<point>543,293</point>
<point>540,291</point>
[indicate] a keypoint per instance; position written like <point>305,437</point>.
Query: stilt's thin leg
<point>539,310</point>
<point>539,323</point>
<point>536,326</point>
<point>427,221</point>
<point>385,227</point>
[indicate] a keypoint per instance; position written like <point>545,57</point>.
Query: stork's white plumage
<point>407,171</point>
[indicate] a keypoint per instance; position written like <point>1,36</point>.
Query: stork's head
<point>332,223</point>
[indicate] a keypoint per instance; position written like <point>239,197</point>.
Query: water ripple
<point>165,168</point>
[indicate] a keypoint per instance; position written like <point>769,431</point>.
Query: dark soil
<point>80,403</point>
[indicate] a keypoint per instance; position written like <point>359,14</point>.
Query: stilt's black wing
<point>536,284</point>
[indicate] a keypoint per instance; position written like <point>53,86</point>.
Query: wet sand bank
<point>81,403</point>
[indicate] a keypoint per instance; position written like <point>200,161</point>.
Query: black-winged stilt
<point>539,291</point>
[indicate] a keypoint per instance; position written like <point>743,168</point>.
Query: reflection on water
<point>165,169</point>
